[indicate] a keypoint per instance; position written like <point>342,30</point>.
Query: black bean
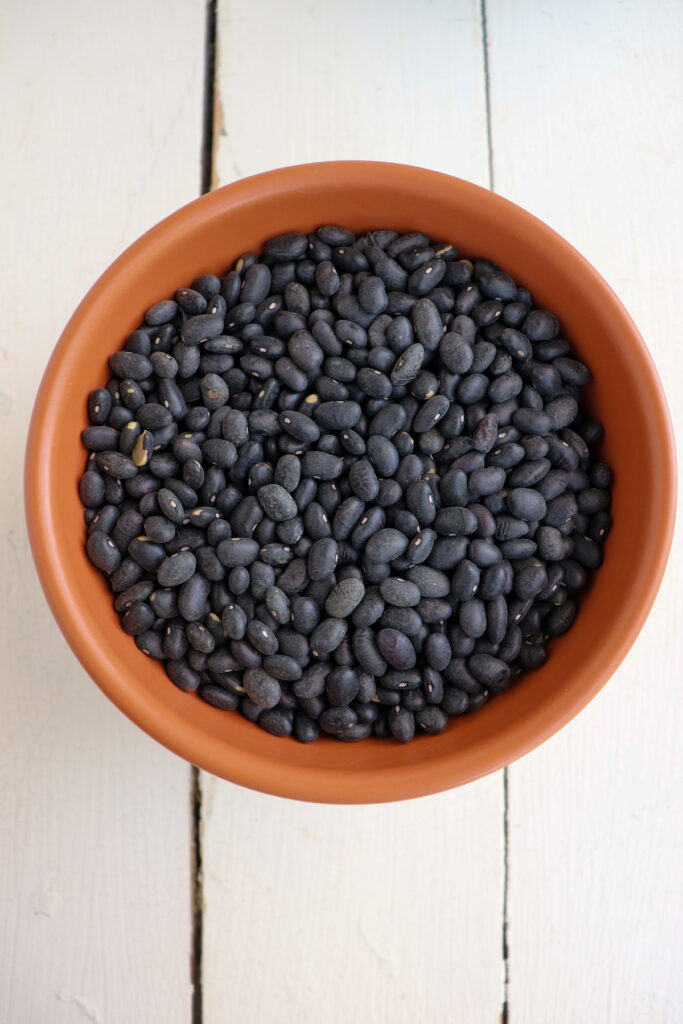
<point>327,636</point>
<point>337,720</point>
<point>234,622</point>
<point>184,677</point>
<point>192,597</point>
<point>561,510</point>
<point>396,648</point>
<point>218,697</point>
<point>400,592</point>
<point>294,577</point>
<point>408,364</point>
<point>100,438</point>
<point>401,723</point>
<point>510,646</point>
<point>214,391</point>
<point>486,480</point>
<point>262,688</point>
<point>277,503</point>
<point>305,728</point>
<point>561,411</point>
<point>170,505</point>
<point>526,503</point>
<point>176,569</point>
<point>219,452</point>
<point>385,545</point>
<point>433,410</point>
<point>426,321</point>
<point>420,547</point>
<point>465,580</point>
<point>289,246</point>
<point>540,325</point>
<point>455,701</point>
<point>431,582</point>
<point>550,543</point>
<point>146,553</point>
<point>342,686</point>
<point>103,552</point>
<point>91,489</point>
<point>363,480</point>
<point>128,573</point>
<point>485,435</point>
<point>438,651</point>
<point>99,406</point>
<point>406,620</point>
<point>322,558</point>
<point>491,672</point>
<point>344,598</point>
<point>586,552</point>
<point>431,720</point>
<point>261,637</point>
<point>455,521</point>
<point>321,465</point>
<point>529,473</point>
<point>472,618</point>
<point>200,637</point>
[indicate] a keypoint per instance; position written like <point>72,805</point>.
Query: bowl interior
<point>206,237</point>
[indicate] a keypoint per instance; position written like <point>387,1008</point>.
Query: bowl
<point>625,394</point>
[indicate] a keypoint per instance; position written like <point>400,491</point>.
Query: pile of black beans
<point>348,487</point>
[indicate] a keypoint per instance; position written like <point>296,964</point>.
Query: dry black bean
<point>184,677</point>
<point>540,325</point>
<point>344,598</point>
<point>192,597</point>
<point>262,688</point>
<point>431,720</point>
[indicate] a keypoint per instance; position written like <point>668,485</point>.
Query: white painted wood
<point>587,134</point>
<point>322,913</point>
<point>329,914</point>
<point>100,125</point>
<point>314,80</point>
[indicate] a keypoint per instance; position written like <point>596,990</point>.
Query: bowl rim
<point>190,742</point>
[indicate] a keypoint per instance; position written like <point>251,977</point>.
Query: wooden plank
<point>101,129</point>
<point>323,913</point>
<point>587,134</point>
<point>317,913</point>
<point>309,80</point>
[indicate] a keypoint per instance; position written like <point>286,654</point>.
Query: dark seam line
<point>197,900</point>
<point>504,1018</point>
<point>205,181</point>
<point>206,158</point>
<point>504,1015</point>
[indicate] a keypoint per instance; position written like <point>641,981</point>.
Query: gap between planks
<point>205,182</point>
<point>505,937</point>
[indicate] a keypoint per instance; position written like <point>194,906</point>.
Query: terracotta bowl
<point>626,395</point>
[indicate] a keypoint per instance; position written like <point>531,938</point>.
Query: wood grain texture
<point>100,128</point>
<point>317,913</point>
<point>322,913</point>
<point>312,80</point>
<point>587,134</point>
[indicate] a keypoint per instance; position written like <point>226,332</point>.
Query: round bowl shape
<point>207,236</point>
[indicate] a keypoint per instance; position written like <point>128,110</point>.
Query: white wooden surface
<point>100,126</point>
<point>373,914</point>
<point>311,913</point>
<point>334,914</point>
<point>590,138</point>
